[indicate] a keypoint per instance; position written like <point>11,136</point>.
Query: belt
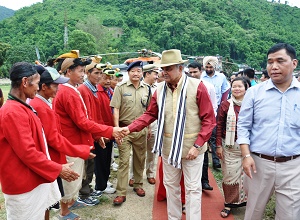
<point>121,124</point>
<point>276,159</point>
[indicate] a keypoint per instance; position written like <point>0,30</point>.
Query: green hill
<point>239,30</point>
<point>5,13</point>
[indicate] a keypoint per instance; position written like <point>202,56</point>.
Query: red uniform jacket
<point>23,161</point>
<point>75,125</point>
<point>58,145</point>
<point>93,105</point>
<point>106,111</point>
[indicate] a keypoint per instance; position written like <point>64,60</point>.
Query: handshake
<point>120,133</point>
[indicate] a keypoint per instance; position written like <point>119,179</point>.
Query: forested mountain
<point>239,30</point>
<point>5,12</point>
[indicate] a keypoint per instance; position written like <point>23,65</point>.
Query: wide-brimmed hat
<point>169,58</point>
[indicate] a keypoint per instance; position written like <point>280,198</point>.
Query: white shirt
<point>212,94</point>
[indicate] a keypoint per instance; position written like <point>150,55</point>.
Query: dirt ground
<point>135,207</point>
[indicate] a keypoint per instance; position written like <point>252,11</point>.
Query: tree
<point>3,49</point>
<point>82,41</point>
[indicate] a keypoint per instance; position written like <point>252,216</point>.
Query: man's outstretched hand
<point>125,131</point>
<point>67,173</point>
<point>117,133</point>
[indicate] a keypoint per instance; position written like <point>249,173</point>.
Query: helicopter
<point>145,55</point>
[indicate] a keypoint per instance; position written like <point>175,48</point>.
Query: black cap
<point>135,64</point>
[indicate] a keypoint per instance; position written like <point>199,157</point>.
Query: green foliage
<point>82,41</point>
<point>5,12</point>
<point>242,30</point>
<point>3,48</point>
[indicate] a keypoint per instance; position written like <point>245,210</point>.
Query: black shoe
<point>216,166</point>
<point>206,186</point>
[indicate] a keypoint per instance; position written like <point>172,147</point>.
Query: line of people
<point>255,132</point>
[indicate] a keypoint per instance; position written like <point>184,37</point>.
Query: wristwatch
<point>247,155</point>
<point>197,146</point>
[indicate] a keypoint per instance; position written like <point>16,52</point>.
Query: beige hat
<point>149,67</point>
<point>95,60</point>
<point>169,58</point>
<point>90,66</point>
<point>68,62</point>
<point>211,60</point>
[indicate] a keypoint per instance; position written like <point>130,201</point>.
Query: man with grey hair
<point>185,118</point>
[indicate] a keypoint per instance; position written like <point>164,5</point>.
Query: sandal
<point>183,209</point>
<point>70,216</point>
<point>77,205</point>
<point>225,212</point>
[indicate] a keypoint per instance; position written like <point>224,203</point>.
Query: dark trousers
<point>212,144</point>
<point>86,188</point>
<point>102,165</point>
<point>204,178</point>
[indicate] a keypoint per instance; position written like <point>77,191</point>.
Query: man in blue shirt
<point>222,88</point>
<point>250,73</point>
<point>268,134</point>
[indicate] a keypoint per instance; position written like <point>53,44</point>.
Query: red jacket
<point>106,111</point>
<point>93,105</point>
<point>58,145</point>
<point>76,127</point>
<point>23,161</point>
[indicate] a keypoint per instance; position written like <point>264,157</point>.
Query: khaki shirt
<point>131,102</point>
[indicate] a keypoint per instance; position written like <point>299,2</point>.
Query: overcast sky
<point>17,4</point>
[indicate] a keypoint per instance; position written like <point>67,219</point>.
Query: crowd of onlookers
<point>59,127</point>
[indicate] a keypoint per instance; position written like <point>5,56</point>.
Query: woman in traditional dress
<point>227,148</point>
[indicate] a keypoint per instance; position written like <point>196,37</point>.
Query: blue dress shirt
<point>269,120</point>
<point>220,83</point>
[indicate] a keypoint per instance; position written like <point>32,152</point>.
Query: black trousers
<point>204,178</point>
<point>102,165</point>
<point>212,143</point>
<point>86,188</point>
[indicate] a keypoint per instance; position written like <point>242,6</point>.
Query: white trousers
<point>71,189</point>
<point>32,205</point>
<point>192,170</point>
<point>284,179</point>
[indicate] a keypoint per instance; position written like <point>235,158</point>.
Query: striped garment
<point>179,125</point>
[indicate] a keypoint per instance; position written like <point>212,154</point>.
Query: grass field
<point>5,90</point>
